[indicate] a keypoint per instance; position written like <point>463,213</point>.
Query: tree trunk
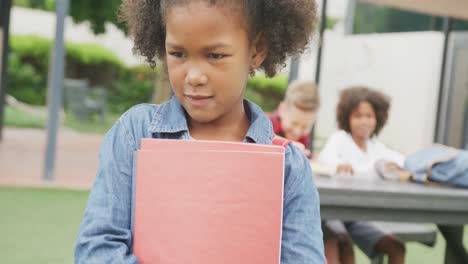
<point>162,88</point>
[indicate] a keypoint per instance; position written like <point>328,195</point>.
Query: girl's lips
<point>199,100</point>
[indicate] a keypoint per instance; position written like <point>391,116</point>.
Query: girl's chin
<point>363,135</point>
<point>201,117</point>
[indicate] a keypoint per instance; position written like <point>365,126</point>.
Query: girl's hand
<point>344,169</point>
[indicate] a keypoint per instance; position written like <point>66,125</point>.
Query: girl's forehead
<point>201,21</point>
<point>165,4</point>
<point>232,11</point>
<point>228,8</point>
<point>363,105</point>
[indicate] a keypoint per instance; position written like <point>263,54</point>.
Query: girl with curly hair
<point>354,150</point>
<point>208,48</point>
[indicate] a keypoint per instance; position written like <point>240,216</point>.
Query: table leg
<point>455,252</point>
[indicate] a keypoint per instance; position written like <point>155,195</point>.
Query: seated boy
<point>295,115</point>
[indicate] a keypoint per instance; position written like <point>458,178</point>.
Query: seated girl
<point>354,150</point>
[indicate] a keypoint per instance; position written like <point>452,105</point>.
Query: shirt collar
<point>171,118</point>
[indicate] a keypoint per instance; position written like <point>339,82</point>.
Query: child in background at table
<point>209,49</point>
<point>295,115</point>
<point>354,150</point>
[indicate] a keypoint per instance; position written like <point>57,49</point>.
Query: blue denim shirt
<point>105,235</point>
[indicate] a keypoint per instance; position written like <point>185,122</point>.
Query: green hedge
<point>32,50</point>
<point>135,85</point>
<point>92,54</point>
<point>266,92</point>
<point>29,66</point>
<point>48,5</point>
<point>38,49</point>
<point>25,82</point>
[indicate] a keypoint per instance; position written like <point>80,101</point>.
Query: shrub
<point>134,86</point>
<point>29,66</point>
<point>266,92</point>
<point>25,82</point>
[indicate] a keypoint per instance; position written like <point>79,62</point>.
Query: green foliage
<point>25,82</point>
<point>48,5</point>
<point>22,3</point>
<point>275,85</point>
<point>29,65</point>
<point>37,49</point>
<point>17,118</point>
<point>91,54</point>
<point>134,86</point>
<point>93,126</point>
<point>266,92</point>
<point>97,13</point>
<point>32,49</point>
<point>126,87</point>
<point>331,22</point>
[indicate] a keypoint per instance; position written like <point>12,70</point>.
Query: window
<point>371,18</point>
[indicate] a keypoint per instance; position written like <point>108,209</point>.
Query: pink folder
<point>201,145</point>
<point>208,202</point>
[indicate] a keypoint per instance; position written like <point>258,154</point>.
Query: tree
<point>97,13</point>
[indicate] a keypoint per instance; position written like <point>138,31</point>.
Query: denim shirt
<point>106,234</point>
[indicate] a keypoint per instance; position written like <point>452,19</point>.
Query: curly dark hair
<point>350,99</point>
<point>286,26</point>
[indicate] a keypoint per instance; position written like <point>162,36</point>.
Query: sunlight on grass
<point>41,225</point>
<point>17,118</point>
<point>92,125</point>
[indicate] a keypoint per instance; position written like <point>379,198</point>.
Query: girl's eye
<point>177,54</point>
<point>216,56</point>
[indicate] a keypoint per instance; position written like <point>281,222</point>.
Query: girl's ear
<point>259,51</point>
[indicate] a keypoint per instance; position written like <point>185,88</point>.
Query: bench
<point>82,101</point>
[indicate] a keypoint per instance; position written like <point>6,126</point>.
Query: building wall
<point>406,66</point>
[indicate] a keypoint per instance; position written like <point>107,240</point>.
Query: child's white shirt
<point>341,148</point>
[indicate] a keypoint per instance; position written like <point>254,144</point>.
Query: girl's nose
<point>195,77</point>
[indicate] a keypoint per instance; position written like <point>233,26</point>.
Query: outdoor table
<point>353,199</point>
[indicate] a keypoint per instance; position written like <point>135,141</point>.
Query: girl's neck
<point>227,128</point>
<point>360,142</point>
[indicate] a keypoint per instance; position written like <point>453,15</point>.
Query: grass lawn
<point>94,125</point>
<point>417,253</point>
<point>17,118</point>
<point>40,226</point>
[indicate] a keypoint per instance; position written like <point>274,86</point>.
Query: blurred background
<point>47,168</point>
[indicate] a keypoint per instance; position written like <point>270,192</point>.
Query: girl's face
<point>362,121</point>
<point>208,58</point>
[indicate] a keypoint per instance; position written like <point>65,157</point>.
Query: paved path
<point>22,155</point>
